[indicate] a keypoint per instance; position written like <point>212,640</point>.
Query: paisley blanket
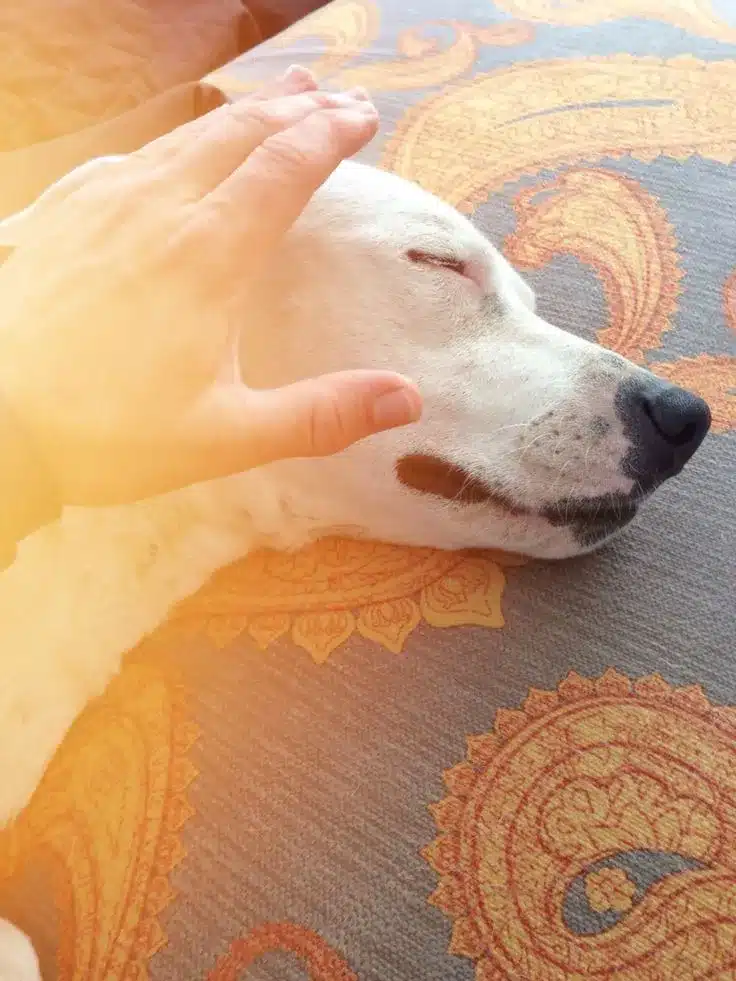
<point>372,763</point>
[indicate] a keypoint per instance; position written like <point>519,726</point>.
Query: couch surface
<point>78,79</point>
<point>371,763</point>
<point>68,64</point>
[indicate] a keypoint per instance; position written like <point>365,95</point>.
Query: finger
<point>212,158</point>
<point>294,81</point>
<point>280,176</point>
<point>238,428</point>
<point>359,92</point>
<point>31,222</point>
<point>297,79</point>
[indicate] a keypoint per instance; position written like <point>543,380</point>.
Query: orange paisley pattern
<point>562,790</point>
<point>695,16</point>
<point>422,63</point>
<point>324,593</point>
<point>711,376</point>
<point>323,963</point>
<point>610,889</point>
<point>106,821</point>
<point>339,31</point>
<point>512,122</point>
<point>598,769</point>
<point>343,29</point>
<point>423,66</point>
<point>729,300</point>
<point>613,225</point>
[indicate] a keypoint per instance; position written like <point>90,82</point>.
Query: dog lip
<point>430,474</point>
<point>592,520</point>
<point>588,517</point>
<point>605,510</point>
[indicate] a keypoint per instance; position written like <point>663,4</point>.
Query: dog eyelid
<point>444,262</point>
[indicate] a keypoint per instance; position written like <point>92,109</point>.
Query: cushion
<point>67,65</point>
<point>372,762</point>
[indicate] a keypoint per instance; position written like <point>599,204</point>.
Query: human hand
<point>117,308</point>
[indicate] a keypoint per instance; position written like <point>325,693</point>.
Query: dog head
<point>532,440</point>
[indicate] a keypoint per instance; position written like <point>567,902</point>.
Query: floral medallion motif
<point>591,835</point>
<point>105,822</point>
<point>610,889</point>
<point>324,593</point>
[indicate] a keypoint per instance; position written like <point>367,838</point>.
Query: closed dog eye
<point>472,270</point>
<point>452,263</point>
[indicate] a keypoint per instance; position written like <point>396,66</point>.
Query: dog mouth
<point>590,519</point>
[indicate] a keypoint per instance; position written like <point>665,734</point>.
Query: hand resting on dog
<point>118,376</point>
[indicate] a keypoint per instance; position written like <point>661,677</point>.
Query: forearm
<point>28,497</point>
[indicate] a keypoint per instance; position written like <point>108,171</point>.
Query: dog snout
<point>665,425</point>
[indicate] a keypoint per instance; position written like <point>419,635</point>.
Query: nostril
<point>664,424</point>
<point>680,418</point>
<point>686,435</point>
<point>675,435</point>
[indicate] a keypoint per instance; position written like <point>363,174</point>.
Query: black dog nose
<point>681,418</point>
<point>665,425</point>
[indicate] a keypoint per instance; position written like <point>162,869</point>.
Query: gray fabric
<point>311,804</point>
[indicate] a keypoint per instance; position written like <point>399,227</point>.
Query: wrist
<point>29,497</point>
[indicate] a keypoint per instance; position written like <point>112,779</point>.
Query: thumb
<point>321,416</point>
<point>239,428</point>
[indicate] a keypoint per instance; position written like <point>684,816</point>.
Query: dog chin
<point>591,521</point>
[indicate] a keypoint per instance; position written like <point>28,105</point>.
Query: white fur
<point>341,294</point>
<point>18,961</point>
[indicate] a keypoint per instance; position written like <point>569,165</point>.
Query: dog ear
<point>23,225</point>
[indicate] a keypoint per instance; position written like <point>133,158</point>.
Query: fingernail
<point>359,93</point>
<point>361,114</point>
<point>344,100</point>
<point>396,408</point>
<point>294,72</point>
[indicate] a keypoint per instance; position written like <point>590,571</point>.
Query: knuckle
<point>249,113</point>
<point>326,100</point>
<point>272,113</point>
<point>265,113</point>
<point>332,132</point>
<point>285,155</point>
<point>330,426</point>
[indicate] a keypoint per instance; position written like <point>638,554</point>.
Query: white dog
<point>532,440</point>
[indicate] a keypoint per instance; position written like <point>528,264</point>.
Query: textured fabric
<point>273,16</point>
<point>385,764</point>
<point>25,173</point>
<point>68,64</point>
